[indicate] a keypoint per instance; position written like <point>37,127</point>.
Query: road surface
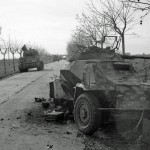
<point>23,127</point>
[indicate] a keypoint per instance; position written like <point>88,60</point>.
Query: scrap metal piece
<point>54,115</point>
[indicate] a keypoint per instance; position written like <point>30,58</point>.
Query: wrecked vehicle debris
<point>29,113</point>
<point>39,99</point>
<point>45,104</point>
<point>18,117</point>
<point>98,87</point>
<point>49,146</point>
<point>53,115</point>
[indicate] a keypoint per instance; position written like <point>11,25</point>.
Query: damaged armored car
<point>98,86</point>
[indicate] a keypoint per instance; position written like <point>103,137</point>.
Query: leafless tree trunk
<point>8,56</point>
<point>13,54</point>
<point>3,52</point>
<point>19,50</point>
<point>13,50</point>
<point>123,44</point>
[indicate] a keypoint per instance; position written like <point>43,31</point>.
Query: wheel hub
<point>84,113</point>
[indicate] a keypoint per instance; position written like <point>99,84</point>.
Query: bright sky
<point>141,43</point>
<point>49,23</point>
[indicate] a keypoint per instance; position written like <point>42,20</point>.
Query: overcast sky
<point>49,23</point>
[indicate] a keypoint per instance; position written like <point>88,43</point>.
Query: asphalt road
<point>23,126</point>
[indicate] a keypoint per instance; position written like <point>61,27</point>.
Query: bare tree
<point>85,33</point>
<point>13,49</point>
<point>140,5</point>
<point>3,50</point>
<point>118,15</point>
<point>73,48</point>
<point>91,31</point>
<point>18,49</point>
<point>94,28</point>
<point>81,40</point>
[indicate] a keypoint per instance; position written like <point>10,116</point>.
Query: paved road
<point>22,126</point>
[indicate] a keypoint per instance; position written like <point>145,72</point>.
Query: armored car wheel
<point>86,114</point>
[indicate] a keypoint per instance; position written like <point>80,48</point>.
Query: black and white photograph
<point>74,74</point>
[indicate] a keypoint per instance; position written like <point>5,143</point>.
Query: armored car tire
<point>86,113</point>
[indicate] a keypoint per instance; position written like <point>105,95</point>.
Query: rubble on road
<point>67,132</point>
<point>15,126</point>
<point>2,119</point>
<point>49,146</point>
<point>39,99</point>
<point>18,117</point>
<point>29,113</point>
<point>45,104</point>
<point>53,115</point>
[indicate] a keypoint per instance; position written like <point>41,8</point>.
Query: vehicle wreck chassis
<point>99,87</point>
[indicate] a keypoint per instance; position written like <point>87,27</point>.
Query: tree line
<point>103,18</point>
